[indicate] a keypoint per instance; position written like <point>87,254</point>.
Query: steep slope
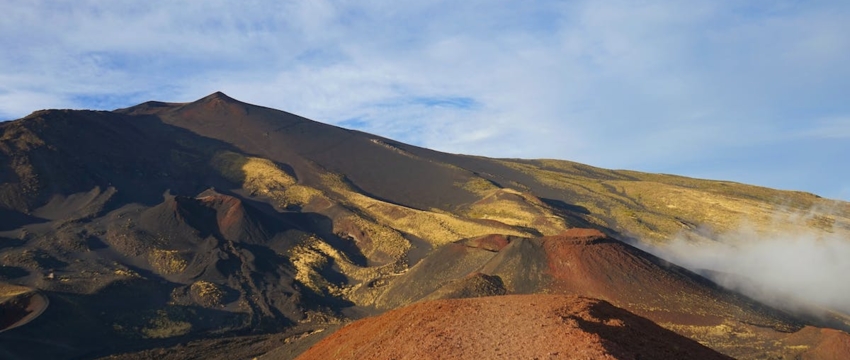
<point>516,326</point>
<point>52,155</point>
<point>298,142</point>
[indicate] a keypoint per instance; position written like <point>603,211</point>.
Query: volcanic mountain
<point>220,228</point>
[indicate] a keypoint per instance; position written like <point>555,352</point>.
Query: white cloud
<point>20,103</point>
<point>793,267</point>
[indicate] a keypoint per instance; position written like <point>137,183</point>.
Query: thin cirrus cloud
<point>830,128</point>
<point>702,88</point>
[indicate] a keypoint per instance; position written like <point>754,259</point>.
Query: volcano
<point>221,229</point>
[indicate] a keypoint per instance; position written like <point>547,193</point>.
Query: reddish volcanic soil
<point>512,326</point>
<point>820,343</point>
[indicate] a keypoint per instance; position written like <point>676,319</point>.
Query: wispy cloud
<point>792,266</point>
<point>830,128</point>
<point>654,85</point>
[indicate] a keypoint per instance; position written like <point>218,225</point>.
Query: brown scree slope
<point>508,327</point>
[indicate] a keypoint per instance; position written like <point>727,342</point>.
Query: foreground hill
<point>586,262</point>
<point>513,326</point>
<point>168,223</point>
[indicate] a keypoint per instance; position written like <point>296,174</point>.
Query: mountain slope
<point>648,206</point>
<point>169,222</point>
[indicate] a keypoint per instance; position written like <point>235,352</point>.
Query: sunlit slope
<point>657,207</point>
<point>650,207</point>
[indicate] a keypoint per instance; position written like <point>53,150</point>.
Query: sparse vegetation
<point>262,177</point>
<point>255,174</point>
<point>309,260</point>
<point>161,326</point>
<point>208,293</point>
<point>126,273</point>
<point>9,290</point>
<point>514,208</point>
<point>313,255</point>
<point>478,186</point>
<point>167,261</point>
<point>436,228</point>
<point>657,207</point>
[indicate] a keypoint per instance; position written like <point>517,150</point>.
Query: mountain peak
<point>218,104</point>
<point>218,95</point>
<point>149,107</point>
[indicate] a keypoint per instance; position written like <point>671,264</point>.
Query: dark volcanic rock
<point>19,305</point>
<point>473,285</point>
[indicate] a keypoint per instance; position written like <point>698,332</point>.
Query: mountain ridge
<point>239,219</point>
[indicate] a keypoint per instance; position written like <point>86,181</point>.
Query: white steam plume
<point>801,270</point>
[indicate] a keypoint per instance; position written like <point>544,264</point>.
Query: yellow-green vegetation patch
<point>393,148</point>
<point>313,254</point>
<point>478,186</point>
<point>167,261</point>
<point>21,137</point>
<point>345,264</point>
<point>399,151</point>
<point>9,290</point>
<point>126,273</point>
<point>308,260</point>
<point>658,207</point>
<point>161,327</point>
<point>721,330</point>
<point>735,339</point>
<point>300,195</point>
<point>437,229</point>
<point>262,177</point>
<point>792,199</point>
<point>380,239</point>
<point>336,183</point>
<point>797,347</point>
<point>583,170</point>
<point>514,208</point>
<point>377,238</point>
<point>256,174</point>
<point>208,293</point>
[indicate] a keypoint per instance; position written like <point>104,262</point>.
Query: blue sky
<point>753,91</point>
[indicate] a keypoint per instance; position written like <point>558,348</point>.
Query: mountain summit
<point>218,228</point>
